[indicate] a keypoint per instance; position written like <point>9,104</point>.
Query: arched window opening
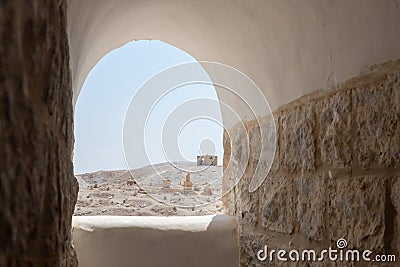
<point>180,173</point>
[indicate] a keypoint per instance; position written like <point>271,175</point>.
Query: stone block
<point>276,163</point>
<point>277,199</point>
<point>335,130</point>
<point>297,142</point>
<point>311,207</point>
<point>357,211</point>
<point>229,202</point>
<point>249,244</point>
<point>236,156</point>
<point>265,133</point>
<point>246,203</point>
<point>254,135</point>
<point>377,124</point>
<point>262,142</point>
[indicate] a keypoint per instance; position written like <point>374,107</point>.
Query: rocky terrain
<point>157,190</point>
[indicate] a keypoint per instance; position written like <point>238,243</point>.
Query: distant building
<point>166,183</point>
<point>207,160</point>
<point>187,184</point>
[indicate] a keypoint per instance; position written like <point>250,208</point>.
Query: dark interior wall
<point>37,186</point>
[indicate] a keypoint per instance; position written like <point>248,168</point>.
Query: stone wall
<point>336,171</point>
<point>335,174</point>
<point>37,186</point>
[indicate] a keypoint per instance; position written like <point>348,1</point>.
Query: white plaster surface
<point>289,48</point>
<point>155,241</point>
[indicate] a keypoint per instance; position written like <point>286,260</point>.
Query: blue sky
<point>105,97</point>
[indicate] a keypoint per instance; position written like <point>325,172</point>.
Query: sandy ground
<point>118,193</point>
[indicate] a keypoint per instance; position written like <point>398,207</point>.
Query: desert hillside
<point>162,191</point>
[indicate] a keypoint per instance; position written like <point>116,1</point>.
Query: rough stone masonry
<point>37,186</point>
<point>335,173</point>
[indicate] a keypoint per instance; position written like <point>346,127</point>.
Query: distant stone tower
<point>187,184</point>
<point>207,160</point>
